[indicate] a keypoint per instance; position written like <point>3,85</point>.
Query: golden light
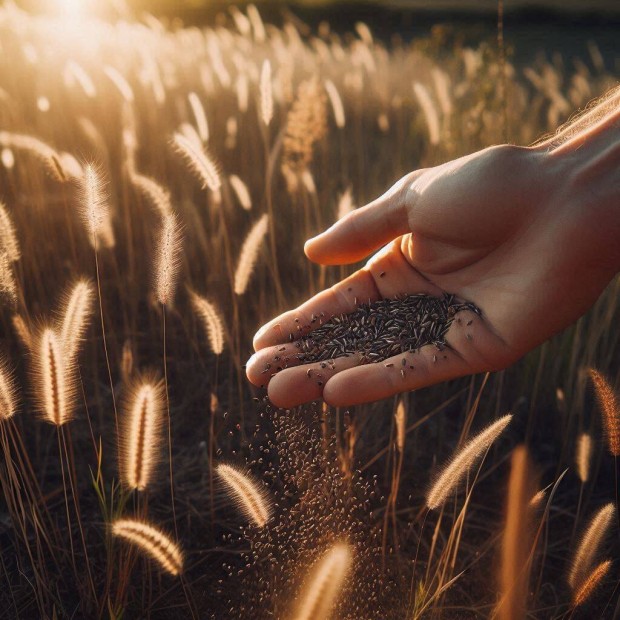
<point>72,8</point>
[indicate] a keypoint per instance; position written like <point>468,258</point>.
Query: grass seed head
<point>324,584</point>
<point>249,496</point>
<point>152,541</point>
<point>140,435</point>
<point>449,479</point>
<point>610,407</point>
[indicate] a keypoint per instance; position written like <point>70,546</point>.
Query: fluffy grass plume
<point>589,545</point>
<point>94,206</point>
<point>199,115</point>
<point>249,496</point>
<point>168,258</point>
<point>516,539</point>
<point>592,582</point>
<point>199,162</point>
<point>400,419</point>
<point>116,77</point>
<point>38,149</point>
<point>336,102</point>
<point>153,192</point>
<point>8,286</point>
<point>152,541</point>
<point>23,331</point>
<point>8,238</point>
<point>8,391</point>
<point>249,254</point>
<point>324,583</point>
<point>53,378</point>
<point>429,111</point>
<point>140,436</point>
<point>241,191</point>
<point>77,308</point>
<point>450,478</point>
<point>610,407</point>
<point>345,203</point>
<point>266,93</point>
<point>211,319</point>
<point>583,454</point>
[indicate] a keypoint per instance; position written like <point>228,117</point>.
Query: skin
<point>530,235</point>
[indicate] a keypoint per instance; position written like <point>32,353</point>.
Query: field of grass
<point>158,183</point>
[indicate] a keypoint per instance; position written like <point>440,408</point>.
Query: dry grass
<point>249,138</point>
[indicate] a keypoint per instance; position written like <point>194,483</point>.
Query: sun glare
<point>72,8</point>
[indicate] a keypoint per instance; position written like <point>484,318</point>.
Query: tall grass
<point>248,138</point>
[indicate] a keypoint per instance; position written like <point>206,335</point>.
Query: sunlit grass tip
<point>158,197</point>
<point>583,455</point>
<point>451,476</point>
<point>324,583</point>
<point>94,205</point>
<point>199,162</point>
<point>241,191</point>
<point>168,258</point>
<point>76,309</point>
<point>54,381</point>
<point>249,254</point>
<point>140,435</point>
<point>8,285</point>
<point>400,419</point>
<point>250,497</point>
<point>589,545</point>
<point>266,93</point>
<point>211,319</point>
<point>610,407</point>
<point>8,391</point>
<point>8,237</point>
<point>593,581</point>
<point>199,116</point>
<point>152,541</point>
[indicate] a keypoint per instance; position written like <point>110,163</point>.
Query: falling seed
<point>382,274</point>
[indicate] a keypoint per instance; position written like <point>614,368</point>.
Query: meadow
<point>157,184</point>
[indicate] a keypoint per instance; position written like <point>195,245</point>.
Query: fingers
<point>387,274</point>
<point>341,298</point>
<point>344,382</point>
<point>402,373</point>
<point>364,230</point>
<point>302,384</point>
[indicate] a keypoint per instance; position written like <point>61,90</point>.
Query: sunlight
<point>72,8</point>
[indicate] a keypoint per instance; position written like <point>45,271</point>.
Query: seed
<point>470,322</point>
<point>382,274</point>
<point>383,329</point>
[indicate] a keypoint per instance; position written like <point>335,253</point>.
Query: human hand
<point>504,228</point>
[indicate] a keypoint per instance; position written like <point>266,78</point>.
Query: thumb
<point>364,230</point>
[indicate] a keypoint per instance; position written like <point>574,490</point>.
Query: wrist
<point>588,192</point>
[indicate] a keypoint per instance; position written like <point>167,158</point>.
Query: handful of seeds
<point>384,328</point>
